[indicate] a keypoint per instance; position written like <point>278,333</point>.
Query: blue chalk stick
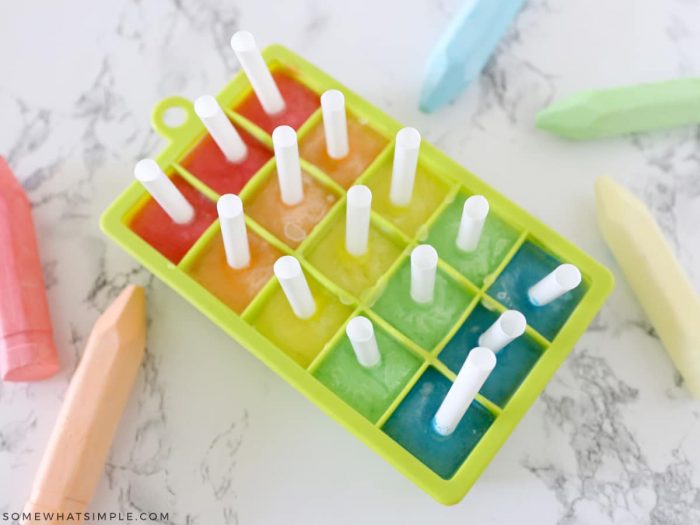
<point>465,48</point>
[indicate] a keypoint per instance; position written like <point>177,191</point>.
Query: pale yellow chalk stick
<point>75,456</point>
<point>653,272</point>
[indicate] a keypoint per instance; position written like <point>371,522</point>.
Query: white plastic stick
<point>284,140</point>
<point>361,334</point>
<point>291,277</point>
<point>404,170</point>
<point>509,326</point>
<point>472,376</point>
<point>220,128</point>
<point>563,278</point>
<point>474,213</point>
<point>164,191</point>
<point>258,74</point>
<point>335,123</point>
<point>424,260</point>
<point>357,220</point>
<point>233,231</point>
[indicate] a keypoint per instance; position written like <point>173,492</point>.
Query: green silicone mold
<point>452,181</point>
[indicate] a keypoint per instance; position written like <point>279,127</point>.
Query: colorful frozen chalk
<point>412,217</point>
<point>293,205</point>
<point>496,239</point>
<point>441,300</point>
<point>175,216</point>
<point>516,359</point>
<point>412,425</point>
<point>536,284</point>
<point>209,164</point>
<point>364,146</point>
<point>370,274</point>
<point>368,389</point>
<point>331,252</point>
<point>27,350</point>
<point>235,287</point>
<point>291,224</point>
<point>303,338</point>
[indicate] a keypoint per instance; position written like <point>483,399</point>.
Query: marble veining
<point>210,435</point>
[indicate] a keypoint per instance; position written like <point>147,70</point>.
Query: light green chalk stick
<point>627,109</point>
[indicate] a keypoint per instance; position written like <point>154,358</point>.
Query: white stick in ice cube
<point>361,334</point>
<point>424,260</point>
<point>359,204</point>
<point>258,73</point>
<point>509,326</point>
<point>404,170</point>
<point>563,278</point>
<point>233,231</point>
<point>472,376</point>
<point>284,140</point>
<point>294,285</point>
<point>474,213</point>
<point>221,129</point>
<point>335,123</point>
<point>163,191</point>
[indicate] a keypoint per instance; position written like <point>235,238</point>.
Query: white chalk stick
<point>424,260</point>
<point>474,213</point>
<point>163,191</point>
<point>361,334</point>
<point>359,205</point>
<point>233,231</point>
<point>472,376</point>
<point>284,140</point>
<point>509,326</point>
<point>294,285</point>
<point>258,73</point>
<point>404,170</point>
<point>335,124</point>
<point>563,278</point>
<point>221,129</point>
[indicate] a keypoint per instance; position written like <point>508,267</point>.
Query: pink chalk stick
<point>27,351</point>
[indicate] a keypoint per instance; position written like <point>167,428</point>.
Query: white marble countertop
<point>210,434</point>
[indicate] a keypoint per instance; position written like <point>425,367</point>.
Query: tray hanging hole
<point>174,117</point>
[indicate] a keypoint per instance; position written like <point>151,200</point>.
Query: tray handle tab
<point>174,119</point>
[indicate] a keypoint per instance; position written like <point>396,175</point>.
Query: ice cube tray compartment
<point>378,413</point>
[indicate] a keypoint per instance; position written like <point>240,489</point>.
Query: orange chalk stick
<point>74,459</point>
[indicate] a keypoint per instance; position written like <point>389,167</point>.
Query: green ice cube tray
<point>597,280</point>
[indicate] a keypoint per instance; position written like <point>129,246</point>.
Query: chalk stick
<point>654,274</point>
